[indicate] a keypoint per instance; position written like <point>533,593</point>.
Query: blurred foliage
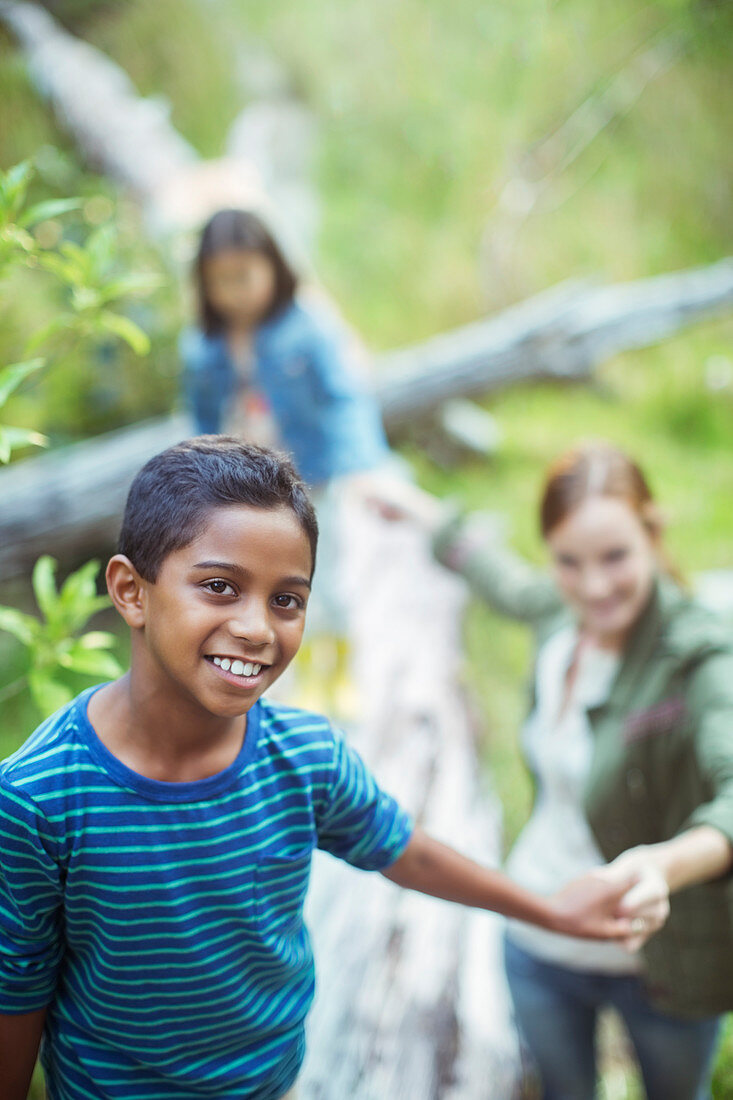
<point>13,438</point>
<point>85,294</point>
<point>93,290</point>
<point>53,645</point>
<point>71,293</point>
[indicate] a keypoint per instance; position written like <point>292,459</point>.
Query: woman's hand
<point>396,498</point>
<point>647,902</point>
<point>590,907</point>
<point>697,855</point>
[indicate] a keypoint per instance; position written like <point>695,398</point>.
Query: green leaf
<point>58,324</point>
<point>57,265</point>
<point>24,627</point>
<point>11,439</point>
<point>93,662</point>
<point>97,639</point>
<point>12,375</point>
<point>143,283</point>
<point>48,694</point>
<point>126,329</point>
<point>86,298</point>
<point>79,600</point>
<point>77,269</point>
<point>81,585</point>
<point>16,240</point>
<point>13,188</point>
<point>43,211</point>
<point>100,247</point>
<point>44,586</point>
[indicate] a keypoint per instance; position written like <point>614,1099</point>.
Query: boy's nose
<point>253,625</point>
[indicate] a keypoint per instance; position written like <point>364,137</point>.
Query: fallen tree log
<point>72,498</point>
<point>562,333</point>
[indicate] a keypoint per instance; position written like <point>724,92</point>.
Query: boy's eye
<point>289,602</point>
<point>616,555</point>
<point>218,586</point>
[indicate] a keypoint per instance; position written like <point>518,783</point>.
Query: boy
<point>157,832</point>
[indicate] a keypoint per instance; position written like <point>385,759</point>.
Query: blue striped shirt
<point>163,922</point>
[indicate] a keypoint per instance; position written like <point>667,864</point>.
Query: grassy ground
<point>445,197</point>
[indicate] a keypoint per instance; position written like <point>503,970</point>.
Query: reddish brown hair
<point>592,469</point>
<point>600,469</point>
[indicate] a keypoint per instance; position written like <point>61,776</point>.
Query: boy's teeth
<point>239,668</point>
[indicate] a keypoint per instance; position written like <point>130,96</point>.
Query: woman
<point>630,741</point>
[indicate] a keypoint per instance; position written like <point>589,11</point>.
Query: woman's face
<point>240,285</point>
<point>605,561</point>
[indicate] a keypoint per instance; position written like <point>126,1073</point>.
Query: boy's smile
<point>226,614</point>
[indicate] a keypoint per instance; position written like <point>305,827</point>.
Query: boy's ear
<point>126,589</point>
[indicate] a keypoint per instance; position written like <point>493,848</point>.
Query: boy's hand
<point>588,907</point>
<point>591,907</point>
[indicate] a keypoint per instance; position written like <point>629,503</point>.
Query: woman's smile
<point>605,563</point>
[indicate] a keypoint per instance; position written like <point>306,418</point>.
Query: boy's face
<point>226,614</point>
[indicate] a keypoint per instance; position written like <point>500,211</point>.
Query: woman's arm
<point>698,855</point>
<point>20,1038</point>
<point>475,546</point>
<point>587,907</point>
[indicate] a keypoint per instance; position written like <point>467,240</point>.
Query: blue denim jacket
<point>325,418</point>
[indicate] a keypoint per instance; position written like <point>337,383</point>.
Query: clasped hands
<point>647,902</point>
<point>644,903</point>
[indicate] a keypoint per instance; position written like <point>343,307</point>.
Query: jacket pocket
<point>658,719</point>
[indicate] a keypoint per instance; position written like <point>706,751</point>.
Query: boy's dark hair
<point>173,493</point>
<point>240,229</point>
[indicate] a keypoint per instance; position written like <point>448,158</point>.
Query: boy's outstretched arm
<point>20,1038</point>
<point>587,907</point>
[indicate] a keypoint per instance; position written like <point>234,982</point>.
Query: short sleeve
<point>31,896</point>
<point>359,822</point>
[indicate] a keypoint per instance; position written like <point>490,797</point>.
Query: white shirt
<point>557,844</point>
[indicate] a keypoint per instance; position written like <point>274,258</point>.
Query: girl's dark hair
<point>174,492</point>
<point>240,229</point>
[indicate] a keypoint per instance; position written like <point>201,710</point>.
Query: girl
<point>267,365</point>
<point>630,741</point>
<point>259,345</point>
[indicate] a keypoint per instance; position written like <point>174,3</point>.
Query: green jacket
<point>663,755</point>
